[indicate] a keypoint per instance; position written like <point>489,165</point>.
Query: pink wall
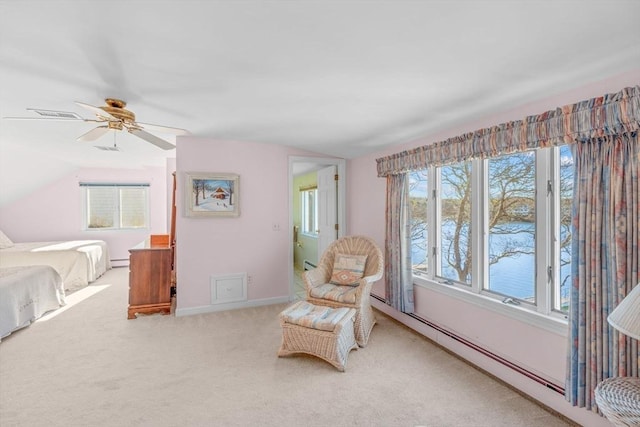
<point>244,244</point>
<point>366,196</point>
<point>53,212</point>
<point>541,351</point>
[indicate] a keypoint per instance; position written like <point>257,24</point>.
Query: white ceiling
<point>342,78</point>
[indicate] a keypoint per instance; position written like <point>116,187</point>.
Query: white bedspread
<point>26,293</point>
<point>78,262</point>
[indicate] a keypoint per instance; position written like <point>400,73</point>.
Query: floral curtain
<point>398,283</point>
<point>605,262</point>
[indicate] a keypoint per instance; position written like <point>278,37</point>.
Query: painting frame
<point>212,195</point>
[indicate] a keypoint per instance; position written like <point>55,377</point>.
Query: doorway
<point>301,166</point>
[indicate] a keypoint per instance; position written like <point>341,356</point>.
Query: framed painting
<point>212,194</point>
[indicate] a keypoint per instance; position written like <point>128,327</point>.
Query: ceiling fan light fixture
<point>115,107</point>
<point>115,125</point>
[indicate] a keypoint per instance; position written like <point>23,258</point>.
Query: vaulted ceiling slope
<point>342,78</point>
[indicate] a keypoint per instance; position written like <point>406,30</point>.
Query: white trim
<point>548,323</point>
<point>479,209</point>
<point>544,231</point>
<point>230,306</point>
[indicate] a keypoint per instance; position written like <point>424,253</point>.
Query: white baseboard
<point>229,306</point>
<point>120,262</point>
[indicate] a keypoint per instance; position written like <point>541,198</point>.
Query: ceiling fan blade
<point>54,114</point>
<point>97,110</point>
<point>158,142</point>
<point>93,134</point>
<point>165,129</point>
<point>47,119</point>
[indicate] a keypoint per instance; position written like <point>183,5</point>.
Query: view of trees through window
<point>455,222</point>
<point>512,225</point>
<point>509,223</point>
<point>418,197</point>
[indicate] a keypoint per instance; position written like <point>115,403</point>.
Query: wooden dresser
<point>150,279</point>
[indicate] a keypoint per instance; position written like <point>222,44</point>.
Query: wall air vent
<point>56,114</point>
<point>106,148</point>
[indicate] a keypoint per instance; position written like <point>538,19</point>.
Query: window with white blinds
<point>115,206</point>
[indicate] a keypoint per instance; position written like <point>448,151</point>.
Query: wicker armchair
<point>321,292</point>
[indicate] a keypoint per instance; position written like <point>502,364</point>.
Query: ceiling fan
<point>113,116</point>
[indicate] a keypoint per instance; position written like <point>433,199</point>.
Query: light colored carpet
<point>90,366</point>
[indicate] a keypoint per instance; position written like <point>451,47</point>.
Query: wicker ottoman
<point>320,331</point>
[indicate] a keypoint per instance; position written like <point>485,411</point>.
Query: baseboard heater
<point>308,265</point>
<point>503,361</point>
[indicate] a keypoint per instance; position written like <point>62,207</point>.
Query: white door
<point>327,208</point>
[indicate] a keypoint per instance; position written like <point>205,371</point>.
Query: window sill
<point>552,324</point>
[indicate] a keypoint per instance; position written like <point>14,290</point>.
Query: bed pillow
<point>5,242</point>
<point>348,269</point>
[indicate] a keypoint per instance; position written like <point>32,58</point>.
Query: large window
<point>115,206</point>
<point>498,227</point>
<point>309,202</point>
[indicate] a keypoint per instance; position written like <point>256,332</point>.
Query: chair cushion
<point>343,294</point>
<point>312,316</point>
<point>348,269</point>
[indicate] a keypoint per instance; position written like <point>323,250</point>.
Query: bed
<point>78,262</point>
<point>26,293</point>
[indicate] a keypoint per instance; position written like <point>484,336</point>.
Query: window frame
<point>547,238</point>
<point>117,213</point>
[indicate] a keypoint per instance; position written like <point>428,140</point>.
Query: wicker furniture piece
<point>618,398</point>
<point>319,331</point>
<point>321,292</point>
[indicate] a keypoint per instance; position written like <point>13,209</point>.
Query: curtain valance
<point>610,114</point>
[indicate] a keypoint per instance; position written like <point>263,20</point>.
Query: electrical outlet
<point>249,280</point>
<point>275,226</point>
